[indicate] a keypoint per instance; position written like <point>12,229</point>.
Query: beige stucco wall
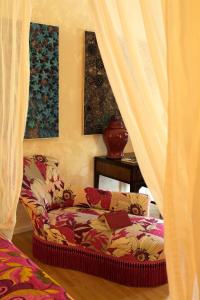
<point>74,150</point>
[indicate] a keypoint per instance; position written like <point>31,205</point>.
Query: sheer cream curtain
<point>130,34</point>
<point>14,83</point>
<point>164,129</point>
<point>182,201</point>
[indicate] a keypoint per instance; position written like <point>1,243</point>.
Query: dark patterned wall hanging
<point>99,101</point>
<point>42,120</point>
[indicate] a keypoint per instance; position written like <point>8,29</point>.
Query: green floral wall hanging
<point>42,119</point>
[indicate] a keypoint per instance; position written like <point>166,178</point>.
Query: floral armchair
<point>68,232</point>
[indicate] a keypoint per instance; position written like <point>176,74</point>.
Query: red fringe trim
<point>138,274</point>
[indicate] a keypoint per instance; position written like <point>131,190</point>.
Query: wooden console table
<point>125,171</point>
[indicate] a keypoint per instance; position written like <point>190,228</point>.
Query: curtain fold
<point>14,84</point>
<point>158,94</point>
<point>182,205</point>
<point>131,38</point>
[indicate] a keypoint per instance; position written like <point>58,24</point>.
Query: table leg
<point>96,180</point>
<point>132,186</point>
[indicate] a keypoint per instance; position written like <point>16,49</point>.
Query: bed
<point>21,278</point>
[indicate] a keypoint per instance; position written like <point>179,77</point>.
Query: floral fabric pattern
<point>21,279</point>
<point>142,241</point>
<point>71,215</point>
<point>42,181</point>
<point>98,198</point>
<point>133,203</point>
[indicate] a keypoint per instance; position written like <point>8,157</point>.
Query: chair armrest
<point>133,203</point>
<point>36,211</point>
<point>34,202</point>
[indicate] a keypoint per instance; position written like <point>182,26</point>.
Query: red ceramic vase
<point>115,137</point>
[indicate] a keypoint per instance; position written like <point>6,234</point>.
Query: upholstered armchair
<point>68,231</point>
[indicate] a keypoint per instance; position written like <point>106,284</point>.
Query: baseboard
<point>23,229</point>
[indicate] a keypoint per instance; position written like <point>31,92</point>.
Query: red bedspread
<point>22,279</point>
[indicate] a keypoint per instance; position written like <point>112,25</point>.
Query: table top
<point>129,159</point>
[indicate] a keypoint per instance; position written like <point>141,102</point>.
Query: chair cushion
<point>75,226</point>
